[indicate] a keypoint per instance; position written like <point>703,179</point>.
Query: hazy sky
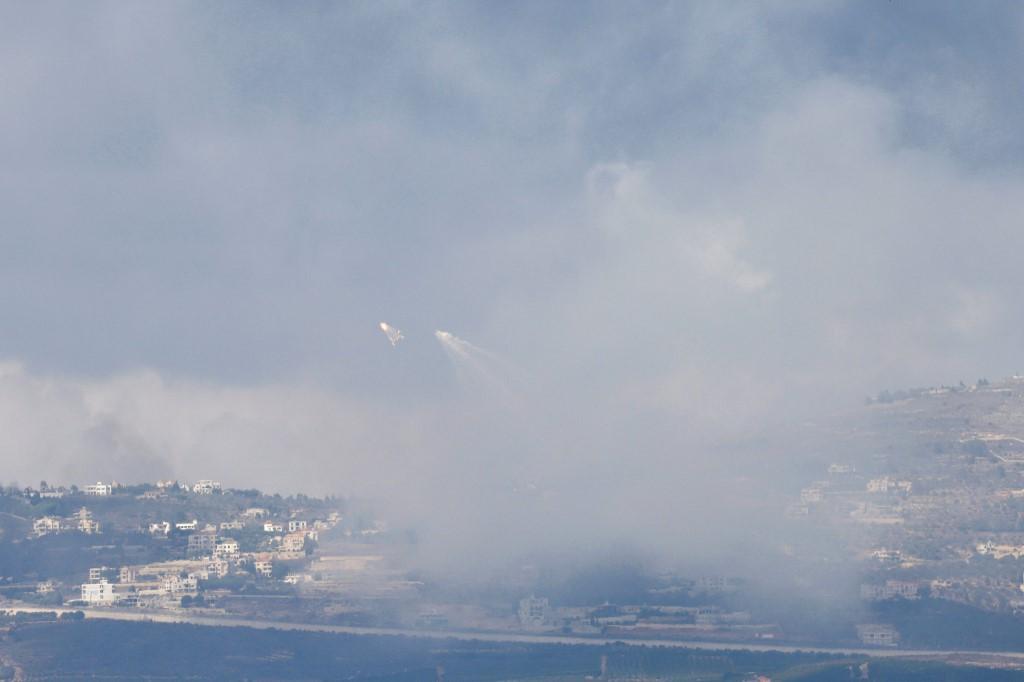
<point>673,223</point>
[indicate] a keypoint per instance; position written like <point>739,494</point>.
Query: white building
<point>99,489</point>
<point>886,484</point>
<point>294,542</point>
<point>714,583</point>
<point>187,525</point>
<point>887,556</point>
<point>174,584</point>
<point>892,589</point>
<point>98,593</point>
<point>47,524</point>
<point>161,528</point>
<point>880,485</point>
<point>533,612</point>
<point>218,567</point>
<point>876,634</point>
<point>206,487</point>
<point>812,494</point>
<point>227,547</point>
<point>85,523</point>
<point>264,568</point>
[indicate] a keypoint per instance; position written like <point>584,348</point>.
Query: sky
<point>669,227</point>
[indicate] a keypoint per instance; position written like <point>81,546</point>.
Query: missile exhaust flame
<point>394,335</point>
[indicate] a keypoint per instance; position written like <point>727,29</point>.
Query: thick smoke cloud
<point>677,229</point>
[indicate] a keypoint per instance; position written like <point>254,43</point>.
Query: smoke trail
<point>394,335</point>
<point>473,364</point>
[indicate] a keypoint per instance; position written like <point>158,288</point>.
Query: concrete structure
<point>206,487</point>
<point>47,524</point>
<point>99,489</point>
<point>101,593</point>
<point>294,542</point>
<point>226,548</point>
<point>877,634</point>
<point>201,543</point>
<point>84,522</point>
<point>533,612</point>
<point>97,573</point>
<point>218,567</point>
<point>175,584</point>
<point>813,494</point>
<point>892,589</point>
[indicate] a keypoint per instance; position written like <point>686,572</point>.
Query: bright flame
<point>394,335</point>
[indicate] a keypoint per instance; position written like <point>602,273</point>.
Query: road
<point>522,638</point>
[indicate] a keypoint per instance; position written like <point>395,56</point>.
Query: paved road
<point>512,637</point>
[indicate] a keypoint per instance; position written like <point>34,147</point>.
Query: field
<point>97,649</point>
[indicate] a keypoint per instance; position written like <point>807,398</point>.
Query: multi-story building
<point>85,523</point>
<point>876,634</point>
<point>175,584</point>
<point>206,487</point>
<point>99,489</point>
<point>47,524</point>
<point>98,593</point>
<point>533,612</point>
<point>201,543</point>
<point>293,542</point>
<point>226,548</point>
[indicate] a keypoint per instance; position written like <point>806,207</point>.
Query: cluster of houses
<point>1000,550</point>
<point>211,553</point>
<point>153,585</point>
<point>212,550</point>
<point>81,521</point>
